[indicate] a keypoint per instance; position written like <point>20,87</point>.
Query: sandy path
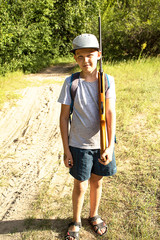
<point>30,146</point>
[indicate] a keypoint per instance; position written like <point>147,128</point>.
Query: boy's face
<point>87,59</point>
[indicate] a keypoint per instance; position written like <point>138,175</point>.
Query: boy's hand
<point>106,157</point>
<point>68,160</point>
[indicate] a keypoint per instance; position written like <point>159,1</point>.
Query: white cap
<point>85,41</point>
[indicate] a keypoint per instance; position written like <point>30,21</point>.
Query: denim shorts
<point>85,162</point>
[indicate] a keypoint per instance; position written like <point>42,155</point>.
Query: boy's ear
<point>99,55</point>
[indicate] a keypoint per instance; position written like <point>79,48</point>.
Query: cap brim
<point>73,50</point>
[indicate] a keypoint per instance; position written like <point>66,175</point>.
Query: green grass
<point>62,60</point>
<point>130,199</point>
<point>9,84</point>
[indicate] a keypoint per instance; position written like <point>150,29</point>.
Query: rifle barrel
<point>100,44</point>
<point>101,89</point>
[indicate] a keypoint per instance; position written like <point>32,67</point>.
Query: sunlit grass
<point>137,85</point>
<point>132,196</point>
<point>62,60</point>
<point>9,84</point>
<point>130,199</point>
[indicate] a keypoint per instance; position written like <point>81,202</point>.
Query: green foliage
<point>34,32</point>
<point>128,25</point>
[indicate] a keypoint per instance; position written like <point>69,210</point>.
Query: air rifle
<point>101,94</point>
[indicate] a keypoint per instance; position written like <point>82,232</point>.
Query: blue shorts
<point>85,162</point>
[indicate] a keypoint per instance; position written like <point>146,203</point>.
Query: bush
<point>34,32</point>
<point>130,27</point>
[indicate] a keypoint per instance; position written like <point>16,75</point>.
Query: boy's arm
<point>64,118</point>
<point>111,126</point>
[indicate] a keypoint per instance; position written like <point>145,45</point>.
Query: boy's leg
<point>95,193</point>
<point>79,190</point>
<point>78,193</point>
<point>95,197</point>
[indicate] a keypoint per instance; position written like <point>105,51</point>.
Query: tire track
<point>30,148</point>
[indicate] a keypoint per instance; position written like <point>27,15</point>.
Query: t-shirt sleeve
<point>110,92</point>
<point>65,96</point>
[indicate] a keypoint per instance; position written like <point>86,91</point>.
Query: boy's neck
<point>89,76</point>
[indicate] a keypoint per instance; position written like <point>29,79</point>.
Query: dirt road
<point>30,147</point>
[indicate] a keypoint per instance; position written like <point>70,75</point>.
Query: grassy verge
<point>130,199</point>
<point>62,60</point>
<point>9,84</point>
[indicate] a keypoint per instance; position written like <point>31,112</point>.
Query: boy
<point>82,147</point>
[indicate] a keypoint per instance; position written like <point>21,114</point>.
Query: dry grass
<point>130,199</point>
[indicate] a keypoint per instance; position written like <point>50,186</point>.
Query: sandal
<point>72,234</point>
<point>98,226</point>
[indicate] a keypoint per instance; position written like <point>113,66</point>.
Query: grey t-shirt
<point>85,125</point>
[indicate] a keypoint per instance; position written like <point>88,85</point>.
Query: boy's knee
<point>96,180</point>
<point>80,187</point>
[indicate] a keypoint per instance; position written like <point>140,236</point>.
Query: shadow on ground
<point>18,226</point>
<point>14,226</point>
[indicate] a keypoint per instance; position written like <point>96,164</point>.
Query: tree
<point>33,32</point>
<point>130,25</point>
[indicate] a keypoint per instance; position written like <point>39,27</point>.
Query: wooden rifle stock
<point>102,101</point>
